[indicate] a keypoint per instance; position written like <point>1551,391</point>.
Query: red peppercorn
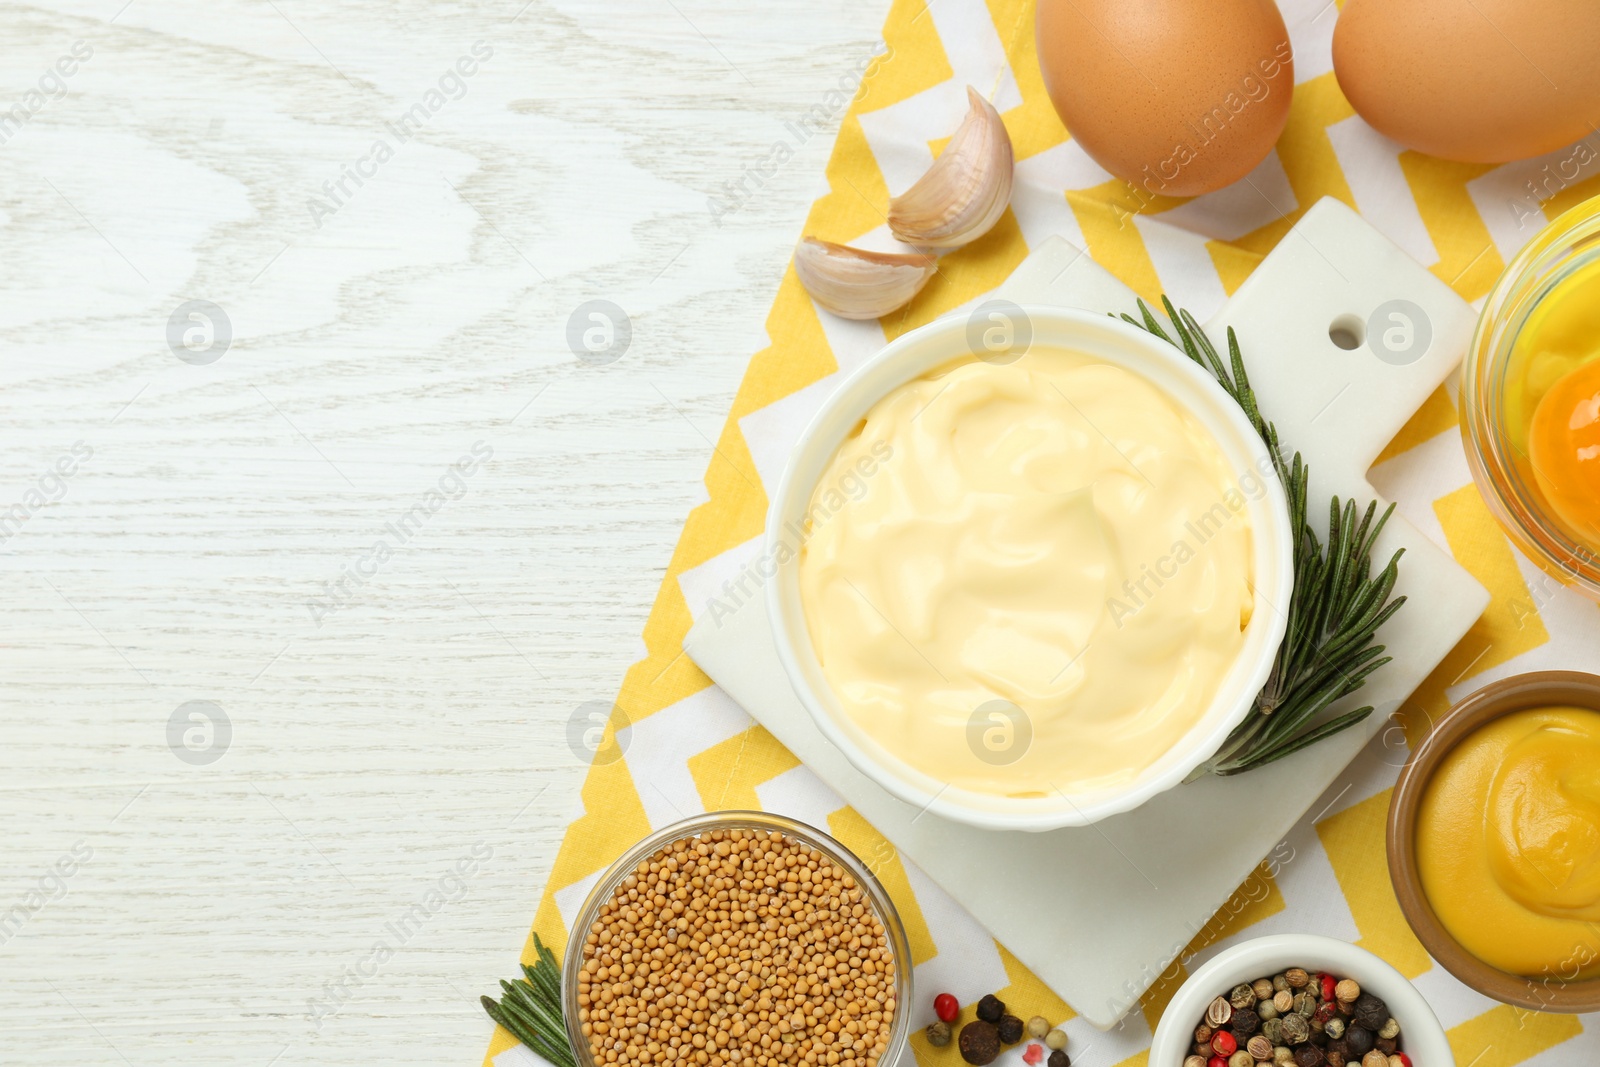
<point>946,1007</point>
<point>1328,985</point>
<point>1033,1053</point>
<point>1216,1061</point>
<point>1223,1044</point>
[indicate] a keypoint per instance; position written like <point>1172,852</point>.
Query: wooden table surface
<point>318,533</point>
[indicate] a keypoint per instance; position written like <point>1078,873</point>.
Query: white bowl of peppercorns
<point>1298,1000</point>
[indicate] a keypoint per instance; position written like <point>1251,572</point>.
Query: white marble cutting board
<point>1126,895</point>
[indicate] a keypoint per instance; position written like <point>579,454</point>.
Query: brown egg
<point>1177,96</point>
<point>1483,81</point>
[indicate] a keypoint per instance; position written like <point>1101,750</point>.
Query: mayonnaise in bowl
<point>1051,535</point>
<point>1040,586</point>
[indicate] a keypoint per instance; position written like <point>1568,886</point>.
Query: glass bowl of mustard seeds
<point>737,939</point>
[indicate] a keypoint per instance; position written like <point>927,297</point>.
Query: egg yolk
<point>1552,401</point>
<point>1564,449</point>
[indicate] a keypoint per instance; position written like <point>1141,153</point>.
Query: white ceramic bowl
<point>1421,1036</point>
<point>916,353</point>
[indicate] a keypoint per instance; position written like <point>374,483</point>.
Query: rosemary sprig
<point>530,1010</point>
<point>1337,606</point>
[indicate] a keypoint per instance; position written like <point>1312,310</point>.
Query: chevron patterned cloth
<point>675,745</point>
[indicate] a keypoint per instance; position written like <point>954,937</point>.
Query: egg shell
<point>1480,81</point>
<point>1178,97</point>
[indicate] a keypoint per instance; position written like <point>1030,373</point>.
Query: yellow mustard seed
<point>737,947</point>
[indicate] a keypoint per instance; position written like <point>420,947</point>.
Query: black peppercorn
<point>1386,1045</point>
<point>1245,1022</point>
<point>1309,1056</point>
<point>1370,1012</point>
<point>1339,1051</point>
<point>991,1007</point>
<point>979,1041</point>
<point>1360,1041</point>
<point>1058,1059</point>
<point>1010,1029</point>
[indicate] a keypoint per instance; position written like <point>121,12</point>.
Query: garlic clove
<point>966,190</point>
<point>856,284</point>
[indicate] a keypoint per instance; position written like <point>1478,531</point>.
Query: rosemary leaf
<point>1338,604</point>
<point>505,1022</point>
<point>1236,358</point>
<point>1311,737</point>
<point>525,1031</point>
<point>530,1008</point>
<point>545,981</point>
<point>519,998</point>
<point>1350,639</point>
<point>1317,695</point>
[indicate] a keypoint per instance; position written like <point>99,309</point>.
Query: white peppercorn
<point>1391,1028</point>
<point>1038,1026</point>
<point>1056,1039</point>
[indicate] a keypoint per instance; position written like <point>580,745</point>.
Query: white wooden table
<point>186,485</point>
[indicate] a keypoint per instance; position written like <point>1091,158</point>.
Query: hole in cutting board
<point>1347,332</point>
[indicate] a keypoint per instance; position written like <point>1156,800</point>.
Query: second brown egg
<point>1481,81</point>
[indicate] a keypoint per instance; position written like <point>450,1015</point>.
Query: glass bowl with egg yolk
<point>1530,395</point>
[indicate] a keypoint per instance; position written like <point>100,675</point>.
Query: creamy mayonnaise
<point>1029,578</point>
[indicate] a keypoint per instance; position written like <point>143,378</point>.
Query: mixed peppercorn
<point>1297,1019</point>
<point>981,1040</point>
